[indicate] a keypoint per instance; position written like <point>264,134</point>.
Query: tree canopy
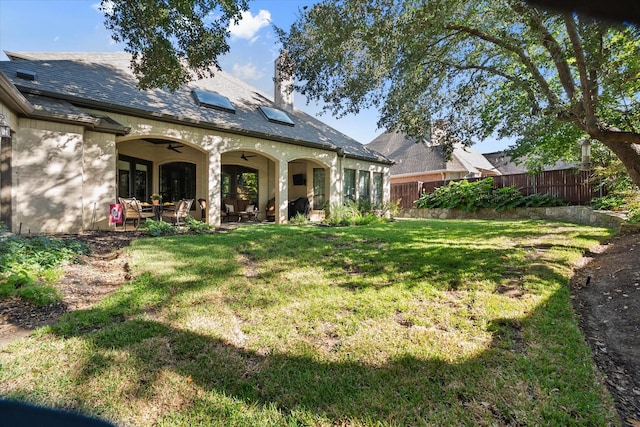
<point>172,41</point>
<point>502,67</point>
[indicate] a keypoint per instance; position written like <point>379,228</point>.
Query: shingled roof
<point>66,84</point>
<point>417,156</point>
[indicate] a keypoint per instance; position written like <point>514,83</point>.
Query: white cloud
<point>249,25</point>
<point>247,72</point>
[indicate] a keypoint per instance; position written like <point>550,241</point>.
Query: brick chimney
<point>283,82</point>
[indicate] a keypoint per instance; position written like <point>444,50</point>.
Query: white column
<point>282,195</point>
<point>215,184</point>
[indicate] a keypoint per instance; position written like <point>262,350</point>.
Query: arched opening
<point>240,183</point>
<point>177,181</point>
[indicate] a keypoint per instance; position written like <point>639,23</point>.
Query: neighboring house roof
<point>66,83</point>
<point>414,156</point>
<point>506,166</point>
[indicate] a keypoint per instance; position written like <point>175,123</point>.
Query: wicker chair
<point>132,211</point>
<point>181,212</point>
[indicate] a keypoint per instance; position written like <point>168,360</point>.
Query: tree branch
<point>526,61</point>
<point>591,121</point>
<point>549,43</point>
<point>492,70</point>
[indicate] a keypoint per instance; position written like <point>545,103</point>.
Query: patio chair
<point>203,209</point>
<point>132,211</point>
<point>181,212</point>
<point>271,209</point>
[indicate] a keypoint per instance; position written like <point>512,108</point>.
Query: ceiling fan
<point>245,157</point>
<point>174,148</point>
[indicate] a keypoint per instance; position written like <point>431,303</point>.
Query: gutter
<point>11,96</point>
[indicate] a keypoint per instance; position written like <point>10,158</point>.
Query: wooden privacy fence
<point>575,187</point>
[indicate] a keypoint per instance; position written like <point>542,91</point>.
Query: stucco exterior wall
<point>47,177</point>
<point>98,179</point>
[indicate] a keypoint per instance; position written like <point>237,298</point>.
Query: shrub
<point>159,228</point>
<point>610,202</point>
<point>465,195</point>
<point>471,196</point>
<point>634,214</point>
<point>29,265</point>
<point>299,219</point>
<point>352,213</point>
<point>199,227</point>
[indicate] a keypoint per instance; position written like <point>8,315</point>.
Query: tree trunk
<point>629,154</point>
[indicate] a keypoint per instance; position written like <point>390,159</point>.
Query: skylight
<point>26,74</point>
<point>276,116</point>
<point>213,100</point>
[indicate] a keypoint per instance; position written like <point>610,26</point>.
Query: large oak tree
<point>482,67</point>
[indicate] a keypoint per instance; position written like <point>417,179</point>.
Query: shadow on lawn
<point>513,381</point>
<point>404,391</point>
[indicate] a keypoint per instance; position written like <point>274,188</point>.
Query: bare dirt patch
<point>606,298</point>
<point>95,276</point>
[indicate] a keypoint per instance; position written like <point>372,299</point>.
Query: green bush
<point>163,228</point>
<point>610,202</point>
<point>29,265</point>
<point>159,228</point>
<point>199,227</point>
<point>634,214</point>
<point>471,196</point>
<point>299,219</point>
<point>352,213</point>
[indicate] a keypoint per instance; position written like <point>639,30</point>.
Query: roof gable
<point>415,156</point>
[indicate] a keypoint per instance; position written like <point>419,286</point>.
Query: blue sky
<point>77,26</point>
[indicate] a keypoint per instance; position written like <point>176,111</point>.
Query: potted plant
<point>155,198</point>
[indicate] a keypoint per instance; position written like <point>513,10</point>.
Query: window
<point>364,183</point>
<point>178,181</point>
<point>134,178</point>
<point>318,188</point>
<point>349,191</point>
<point>276,116</point>
<point>239,182</point>
<point>213,100</point>
<point>377,190</point>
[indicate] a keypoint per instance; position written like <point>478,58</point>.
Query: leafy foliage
<point>623,194</point>
<point>503,67</point>
<point>163,228</point>
<point>159,228</point>
<point>299,218</point>
<point>351,213</point>
<point>28,266</point>
<point>471,196</point>
<point>172,42</point>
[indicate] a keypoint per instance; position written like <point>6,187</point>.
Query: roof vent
<point>26,75</point>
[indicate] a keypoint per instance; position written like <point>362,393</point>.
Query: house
<point>503,163</point>
<point>82,135</point>
<point>425,160</point>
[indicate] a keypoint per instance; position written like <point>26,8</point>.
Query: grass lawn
<point>418,322</point>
